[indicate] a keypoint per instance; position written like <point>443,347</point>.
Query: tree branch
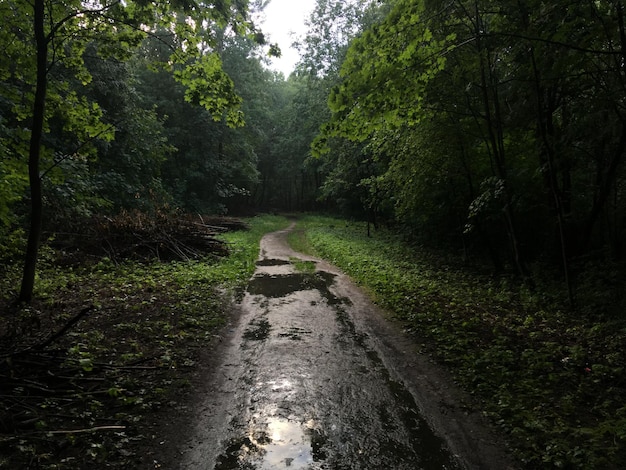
<point>65,327</point>
<point>61,23</point>
<point>69,154</point>
<point>94,429</point>
<point>554,43</point>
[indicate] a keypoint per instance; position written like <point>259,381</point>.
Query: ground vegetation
<point>551,380</point>
<point>110,347</point>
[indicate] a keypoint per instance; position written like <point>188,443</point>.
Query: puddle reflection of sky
<point>288,446</point>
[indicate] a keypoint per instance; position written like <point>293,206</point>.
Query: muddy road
<point>312,376</point>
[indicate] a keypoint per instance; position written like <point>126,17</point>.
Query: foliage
<point>492,127</point>
<point>213,166</point>
<point>131,354</point>
<point>552,381</point>
<point>332,26</point>
<point>127,171</point>
<point>286,181</point>
<point>42,84</point>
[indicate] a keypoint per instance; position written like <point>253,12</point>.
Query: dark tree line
<point>493,126</point>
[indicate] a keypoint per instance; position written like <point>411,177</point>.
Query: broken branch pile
<point>162,235</point>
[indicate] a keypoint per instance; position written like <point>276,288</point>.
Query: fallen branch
<point>64,329</point>
<point>41,346</point>
<point>77,431</point>
<point>114,367</point>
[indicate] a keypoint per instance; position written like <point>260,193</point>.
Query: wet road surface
<point>310,378</point>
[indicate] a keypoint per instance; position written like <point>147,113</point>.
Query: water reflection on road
<point>307,389</point>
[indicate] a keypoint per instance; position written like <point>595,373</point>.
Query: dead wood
<point>163,235</point>
<point>94,429</point>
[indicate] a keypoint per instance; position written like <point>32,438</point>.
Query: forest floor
<point>102,369</point>
<point>94,371</point>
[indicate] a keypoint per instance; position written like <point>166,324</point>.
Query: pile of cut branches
<point>163,235</point>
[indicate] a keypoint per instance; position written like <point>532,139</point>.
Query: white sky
<point>282,18</point>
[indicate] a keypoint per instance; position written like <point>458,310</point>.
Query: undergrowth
<point>551,379</point>
<point>83,398</point>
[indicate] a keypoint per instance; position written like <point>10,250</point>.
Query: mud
<point>313,377</point>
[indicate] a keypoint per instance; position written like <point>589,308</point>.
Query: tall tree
<point>332,26</point>
<point>503,120</point>
<point>47,35</point>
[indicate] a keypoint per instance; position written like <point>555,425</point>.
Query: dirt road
<point>313,377</point>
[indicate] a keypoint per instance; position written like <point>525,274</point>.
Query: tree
<point>127,171</point>
<point>498,121</point>
<point>45,36</point>
<point>332,26</point>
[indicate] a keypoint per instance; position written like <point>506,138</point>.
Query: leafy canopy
<point>384,75</point>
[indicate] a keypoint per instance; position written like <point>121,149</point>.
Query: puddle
<point>258,330</point>
<point>272,262</point>
<point>295,334</point>
<point>276,286</point>
<point>278,443</point>
<point>281,285</point>
<point>288,446</point>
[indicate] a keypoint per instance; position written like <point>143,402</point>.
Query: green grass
<point>298,240</point>
<point>553,381</point>
<point>156,316</point>
<point>303,266</point>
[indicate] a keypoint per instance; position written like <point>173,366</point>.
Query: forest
<point>490,132</point>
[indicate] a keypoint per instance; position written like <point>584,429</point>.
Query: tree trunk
<point>607,178</point>
<point>495,132</point>
<point>34,234</point>
<point>605,183</point>
<point>546,106</point>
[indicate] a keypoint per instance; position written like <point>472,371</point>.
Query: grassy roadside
<point>86,397</point>
<point>553,381</point>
